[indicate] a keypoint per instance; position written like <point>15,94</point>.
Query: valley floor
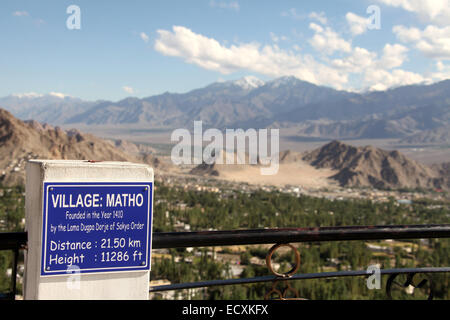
<point>160,139</point>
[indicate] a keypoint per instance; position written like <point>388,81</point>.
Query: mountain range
<point>411,113</point>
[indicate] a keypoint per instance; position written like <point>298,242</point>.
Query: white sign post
<point>89,230</point>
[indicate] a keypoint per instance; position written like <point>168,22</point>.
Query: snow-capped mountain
<point>248,83</point>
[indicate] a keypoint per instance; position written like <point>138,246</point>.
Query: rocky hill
<point>370,166</point>
<point>20,141</point>
<point>444,172</point>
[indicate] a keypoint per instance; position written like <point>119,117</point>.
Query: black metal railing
<point>13,241</point>
<point>279,237</point>
<point>285,236</point>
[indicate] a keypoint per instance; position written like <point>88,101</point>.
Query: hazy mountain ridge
<point>440,135</point>
<point>286,102</point>
<point>219,104</point>
<point>52,108</point>
<point>391,114</point>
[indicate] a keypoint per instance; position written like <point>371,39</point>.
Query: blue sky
<point>142,48</point>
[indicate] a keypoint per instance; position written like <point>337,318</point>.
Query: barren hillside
<point>20,141</point>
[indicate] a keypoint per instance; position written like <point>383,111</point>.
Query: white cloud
<point>359,60</point>
<point>58,95</point>
<point>316,28</point>
<point>321,17</point>
<point>276,38</point>
<point>443,72</point>
<point>39,22</point>
<point>434,11</point>
<point>407,34</point>
<point>327,41</point>
<point>144,36</point>
<point>292,13</point>
<point>379,79</point>
<point>372,70</point>
<point>27,95</point>
<point>21,14</point>
<point>393,56</point>
<point>128,89</point>
<point>32,95</point>
<point>225,4</point>
<point>269,60</point>
<point>379,73</point>
<point>357,24</point>
<point>433,41</point>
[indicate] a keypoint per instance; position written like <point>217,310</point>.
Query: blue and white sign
<point>96,227</point>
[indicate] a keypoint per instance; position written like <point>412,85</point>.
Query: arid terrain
<point>328,165</point>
